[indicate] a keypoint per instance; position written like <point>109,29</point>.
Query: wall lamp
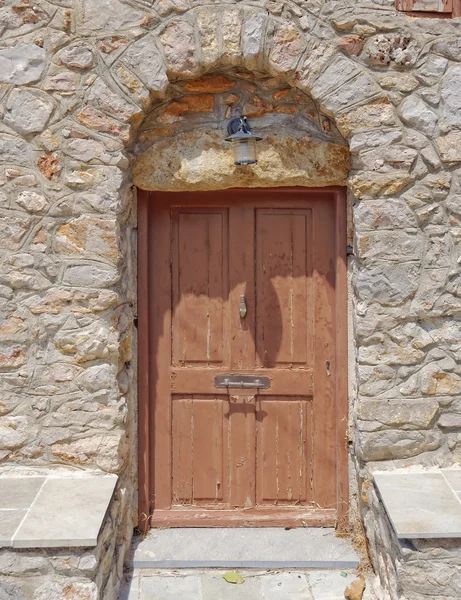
<point>243,141</point>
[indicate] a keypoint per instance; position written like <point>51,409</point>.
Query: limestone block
<point>97,378</point>
<point>231,25</point>
<point>389,284</point>
<point>368,184</point>
<point>51,590</point>
<point>201,159</point>
<point>374,380</point>
<point>32,201</point>
<point>432,70</point>
<point>385,160</point>
<point>101,450</point>
<point>450,421</point>
<point>88,235</point>
<point>64,81</point>
<point>395,245</point>
<point>15,431</point>
<point>436,382</point>
<point>113,103</point>
<point>286,46</point>
<point>415,112</point>
<point>77,56</point>
<point>398,414</point>
<point>208,25</point>
<point>168,7</point>
<point>370,116</point>
<point>384,214</point>
<point>178,40</point>
<point>27,111</point>
<point>98,121</point>
<point>449,146</point>
<point>21,64</point>
<point>450,48</point>
<point>12,231</point>
<point>318,58</point>
<point>92,275</point>
<point>253,38</point>
<point>109,16</point>
<point>145,59</point>
<point>397,444</point>
<point>94,152</point>
<point>95,341</point>
<point>14,150</point>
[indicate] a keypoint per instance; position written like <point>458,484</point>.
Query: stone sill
<point>422,504</point>
<point>54,508</point>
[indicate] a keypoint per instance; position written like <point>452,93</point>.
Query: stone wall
<point>77,80</point>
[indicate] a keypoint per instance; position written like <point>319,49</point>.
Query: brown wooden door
<point>222,456</point>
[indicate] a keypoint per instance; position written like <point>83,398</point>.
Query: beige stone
<point>98,121</point>
<point>49,165</point>
<point>369,184</point>
<point>88,236</point>
<point>202,160</point>
<point>370,116</point>
<point>449,146</point>
<point>210,84</point>
<point>179,47</point>
<point>286,46</point>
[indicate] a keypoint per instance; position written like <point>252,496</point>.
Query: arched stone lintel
<point>205,40</point>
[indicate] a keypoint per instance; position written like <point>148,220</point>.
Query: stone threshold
<point>54,508</point>
<point>243,547</point>
<point>422,504</point>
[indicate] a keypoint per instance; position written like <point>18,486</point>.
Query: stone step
<point>209,584</point>
<point>263,548</point>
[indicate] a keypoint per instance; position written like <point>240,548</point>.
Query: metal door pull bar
<point>242,381</point>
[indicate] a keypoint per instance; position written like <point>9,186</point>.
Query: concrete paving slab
<point>216,588</point>
<point>159,587</point>
<point>19,492</point>
<point>66,512</point>
<point>420,505</point>
<point>269,548</point>
<point>453,479</point>
<point>286,586</point>
<point>329,585</point>
<point>9,522</point>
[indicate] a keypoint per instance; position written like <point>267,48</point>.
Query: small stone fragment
<point>351,45</point>
<point>49,165</point>
<point>32,201</point>
<point>77,56</point>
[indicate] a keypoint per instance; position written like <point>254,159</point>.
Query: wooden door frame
<point>146,289</point>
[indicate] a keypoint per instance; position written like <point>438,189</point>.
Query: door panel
<point>243,456</point>
<point>284,287</point>
<point>284,442</point>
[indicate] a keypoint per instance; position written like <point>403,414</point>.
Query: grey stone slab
<point>214,586</point>
<point>420,505</point>
<point>9,522</point>
<point>285,586</point>
<point>268,548</point>
<point>453,478</point>
<point>130,587</point>
<point>329,585</point>
<point>19,492</point>
<point>162,587</point>
<point>67,512</point>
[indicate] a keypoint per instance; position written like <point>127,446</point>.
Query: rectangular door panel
<point>199,451</point>
<point>200,280</point>
<point>284,327</point>
<point>284,451</point>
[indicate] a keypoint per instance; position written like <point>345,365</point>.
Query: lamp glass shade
<point>244,151</point>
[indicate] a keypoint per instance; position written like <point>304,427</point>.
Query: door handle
<point>243,307</point>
